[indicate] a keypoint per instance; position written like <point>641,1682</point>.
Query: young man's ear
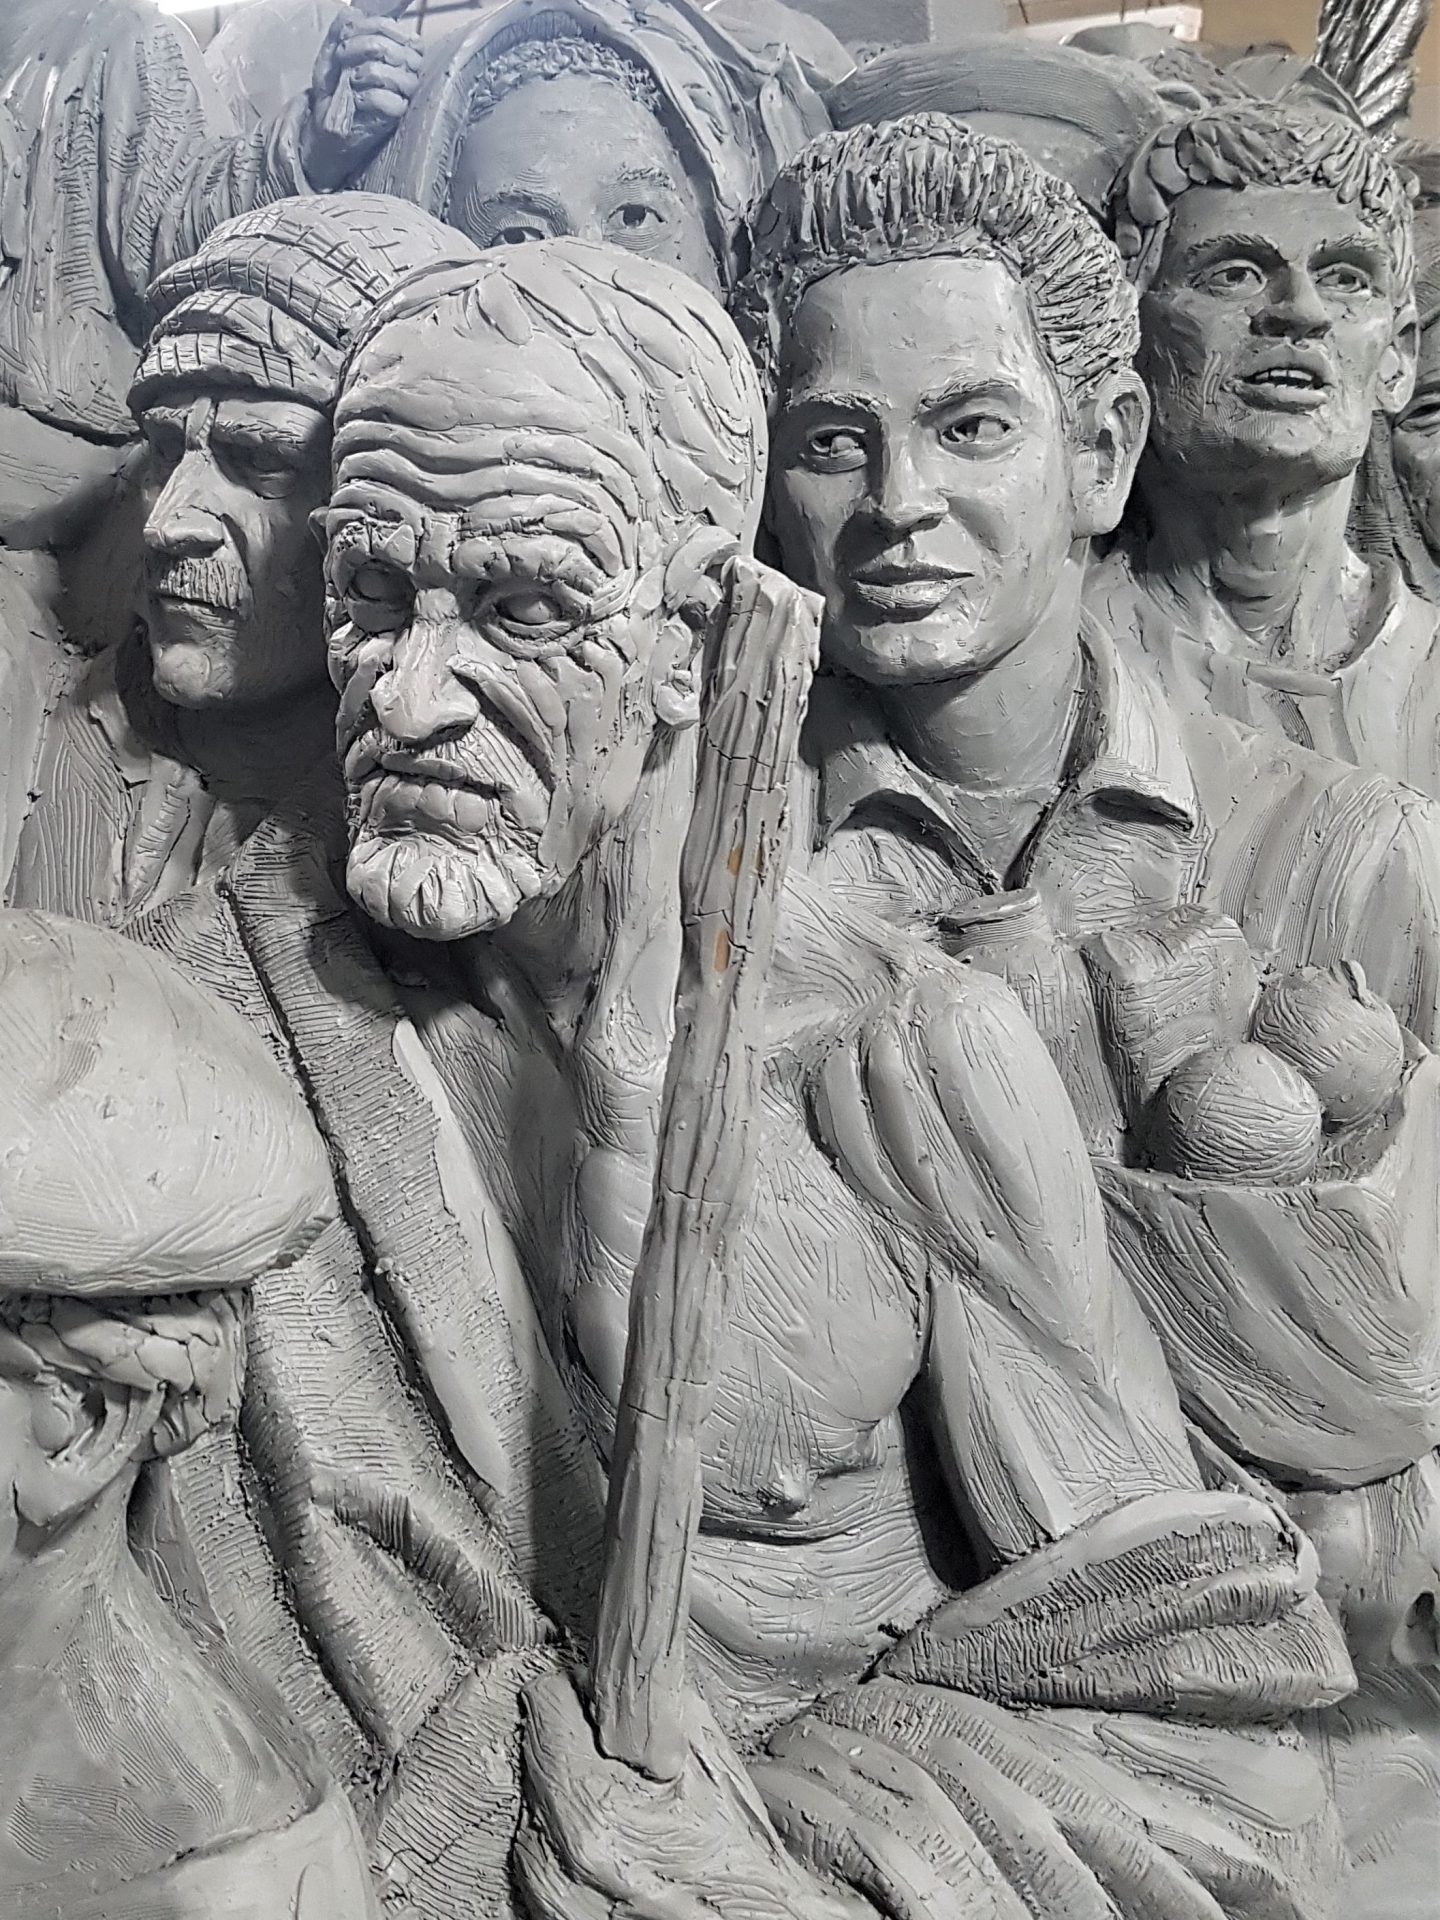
<point>86,1432</point>
<point>1398,364</point>
<point>1112,427</point>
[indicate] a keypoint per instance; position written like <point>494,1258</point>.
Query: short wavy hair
<point>1262,143</point>
<point>927,187</point>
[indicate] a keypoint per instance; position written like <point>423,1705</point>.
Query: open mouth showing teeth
<point>1287,377</point>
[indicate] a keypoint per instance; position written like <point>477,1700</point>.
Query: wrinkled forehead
<point>442,417</point>
<point>1292,222</point>
<point>262,415</point>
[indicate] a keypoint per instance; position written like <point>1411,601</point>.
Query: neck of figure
<point>591,975</point>
<point>999,738</point>
<point>89,1653</point>
<point>257,752</point>
<point>1265,570</point>
<point>47,1589</point>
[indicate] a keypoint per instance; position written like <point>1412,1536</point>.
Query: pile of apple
<point>1323,1055</point>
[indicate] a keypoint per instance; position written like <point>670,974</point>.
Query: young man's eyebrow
<point>1253,246</point>
<point>967,386</point>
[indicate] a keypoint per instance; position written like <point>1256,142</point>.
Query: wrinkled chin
<point>433,890</point>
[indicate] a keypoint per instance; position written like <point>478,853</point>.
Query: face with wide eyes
<point>1417,441</point>
<point>579,155</point>
<point>234,599</point>
<point>495,625</point>
<point>1271,336</point>
<point>921,468</point>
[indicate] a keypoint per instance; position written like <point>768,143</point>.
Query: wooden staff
<point>732,870</point>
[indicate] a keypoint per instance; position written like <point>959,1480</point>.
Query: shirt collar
<point>1127,747</point>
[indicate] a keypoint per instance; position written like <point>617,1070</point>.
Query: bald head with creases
<point>541,464</point>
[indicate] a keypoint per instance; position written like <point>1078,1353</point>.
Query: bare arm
<point>171,172</point>
<point>1050,1400</point>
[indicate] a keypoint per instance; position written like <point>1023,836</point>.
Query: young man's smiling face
<point>923,469</point>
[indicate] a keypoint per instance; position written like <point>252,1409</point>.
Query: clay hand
<point>600,1842</point>
<point>365,76</point>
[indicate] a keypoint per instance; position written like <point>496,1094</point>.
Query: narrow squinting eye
<point>1232,276</point>
<point>1342,278</point>
<point>1423,416</point>
<point>517,236</point>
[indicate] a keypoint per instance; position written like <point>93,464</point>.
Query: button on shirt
<point>1122,837</point>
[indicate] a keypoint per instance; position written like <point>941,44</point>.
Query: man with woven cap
<point>416,1513</point>
<point>157,1166</point>
<point>1271,244</point>
<point>169,748</point>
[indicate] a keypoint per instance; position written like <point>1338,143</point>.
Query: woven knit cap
<point>272,300</point>
<point>149,1143</point>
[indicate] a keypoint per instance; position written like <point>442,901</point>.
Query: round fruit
<point>1343,1038</point>
<point>1238,1115</point>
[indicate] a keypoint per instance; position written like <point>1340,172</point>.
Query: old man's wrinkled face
<point>496,625</point>
<point>578,155</point>
<point>1273,333</point>
<point>922,476</point>
<point>234,599</point>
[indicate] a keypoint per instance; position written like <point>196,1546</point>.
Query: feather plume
<point>1369,47</point>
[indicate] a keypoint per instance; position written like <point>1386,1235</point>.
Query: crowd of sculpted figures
<point>719,977</point>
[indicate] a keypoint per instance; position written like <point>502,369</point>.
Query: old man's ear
<point>695,596</point>
<point>1111,428</point>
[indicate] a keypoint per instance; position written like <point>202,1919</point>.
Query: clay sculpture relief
<point>1397,512</point>
<point>519,711</point>
<point>167,749</point>
<point>156,1167</point>
<point>647,127</point>
<point>1272,246</point>
<point>701,1236</point>
<point>114,164</point>
<point>983,756</point>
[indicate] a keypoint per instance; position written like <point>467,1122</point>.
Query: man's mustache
<point>210,581</point>
<point>489,758</point>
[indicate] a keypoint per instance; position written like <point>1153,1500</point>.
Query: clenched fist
<point>365,76</point>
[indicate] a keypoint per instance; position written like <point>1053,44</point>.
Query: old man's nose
<point>420,699</point>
